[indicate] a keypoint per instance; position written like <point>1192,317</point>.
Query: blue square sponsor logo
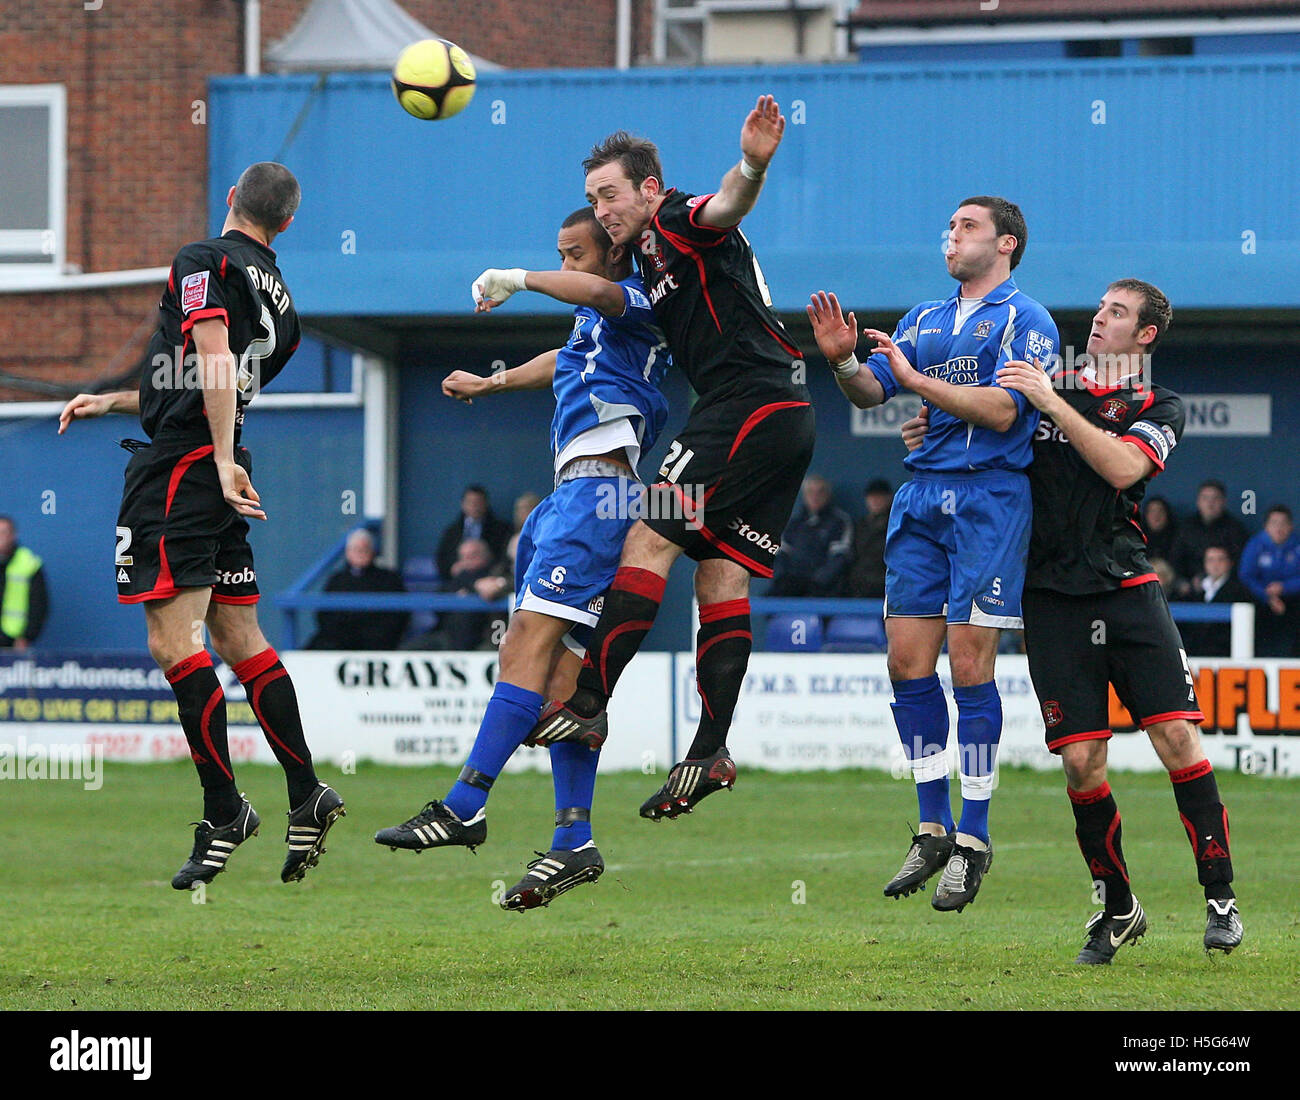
<point>1038,345</point>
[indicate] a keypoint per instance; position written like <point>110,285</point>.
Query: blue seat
<point>420,575</point>
<point>793,633</point>
<point>855,634</point>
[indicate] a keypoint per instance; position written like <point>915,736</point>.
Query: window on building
<point>1165,47</point>
<point>1095,47</point>
<point>32,135</point>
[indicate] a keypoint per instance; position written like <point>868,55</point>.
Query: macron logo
<point>97,1054</point>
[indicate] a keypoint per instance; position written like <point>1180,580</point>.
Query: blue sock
<point>921,715</point>
<point>510,714</point>
<point>979,729</point>
<point>573,771</point>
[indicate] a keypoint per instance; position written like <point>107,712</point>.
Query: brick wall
<point>137,164</point>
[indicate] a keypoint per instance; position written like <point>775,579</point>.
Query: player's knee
<point>1176,742</point>
<point>904,665</point>
<point>970,669</point>
<point>717,581</point>
<point>236,642</point>
<point>645,548</point>
<point>527,642</point>
<point>1085,764</point>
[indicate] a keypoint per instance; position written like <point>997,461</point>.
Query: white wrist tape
<point>498,284</point>
<point>750,172</point>
<point>848,368</point>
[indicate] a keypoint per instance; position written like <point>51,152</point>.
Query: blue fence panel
<point>1156,166</point>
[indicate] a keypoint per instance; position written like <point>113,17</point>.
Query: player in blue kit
<point>608,410</point>
<point>959,530</point>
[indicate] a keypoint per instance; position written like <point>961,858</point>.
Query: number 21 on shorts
<point>675,462</point>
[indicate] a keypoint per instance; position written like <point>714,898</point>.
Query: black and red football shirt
<point>234,279</point>
<point>1087,535</point>
<point>710,299</point>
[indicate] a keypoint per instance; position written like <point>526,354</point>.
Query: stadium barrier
<point>1240,616</point>
<point>796,711</point>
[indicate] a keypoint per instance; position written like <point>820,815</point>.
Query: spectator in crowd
<point>24,598</point>
<point>360,629</point>
<point>1160,527</point>
<point>476,521</point>
<point>1209,525</point>
<point>524,505</point>
<point>1162,569</point>
<point>466,629</point>
<point>1270,568</point>
<point>1219,584</point>
<point>867,571</point>
<point>816,546</point>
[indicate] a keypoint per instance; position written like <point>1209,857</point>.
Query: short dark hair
<point>267,194</point>
<point>1007,218</point>
<point>585,215</point>
<point>877,485</point>
<point>1155,309</point>
<point>474,489</point>
<point>1213,483</point>
<point>639,157</point>
<point>1280,508</point>
<point>1219,546</point>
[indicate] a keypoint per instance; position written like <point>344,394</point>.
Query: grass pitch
<point>768,897</point>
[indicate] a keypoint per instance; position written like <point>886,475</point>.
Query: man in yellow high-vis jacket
<point>24,601</point>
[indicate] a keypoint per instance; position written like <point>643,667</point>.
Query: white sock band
<point>976,788</point>
<point>927,768</point>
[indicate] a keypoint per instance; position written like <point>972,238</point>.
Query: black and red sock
<point>631,605</point>
<point>1097,827</point>
<point>271,695</point>
<point>201,704</point>
<point>1206,821</point>
<point>722,648</point>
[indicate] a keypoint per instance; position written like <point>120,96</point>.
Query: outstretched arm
<point>738,192</point>
<point>88,405</point>
<point>577,288</point>
<point>536,374</point>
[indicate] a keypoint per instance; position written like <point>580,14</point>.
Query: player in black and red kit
<point>227,327</point>
<point>1095,613</point>
<point>731,477</point>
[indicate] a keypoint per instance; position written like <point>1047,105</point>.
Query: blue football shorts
<point>569,551</point>
<point>956,547</point>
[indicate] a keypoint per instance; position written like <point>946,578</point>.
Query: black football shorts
<point>175,529</point>
<point>731,478</point>
<point>1078,645</point>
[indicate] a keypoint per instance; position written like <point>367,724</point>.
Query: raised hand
<point>836,337</point>
<point>899,365</point>
<point>762,132</point>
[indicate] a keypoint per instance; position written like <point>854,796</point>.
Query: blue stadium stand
<point>856,626</point>
<point>421,575</point>
<point>855,634</point>
<point>783,630</point>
